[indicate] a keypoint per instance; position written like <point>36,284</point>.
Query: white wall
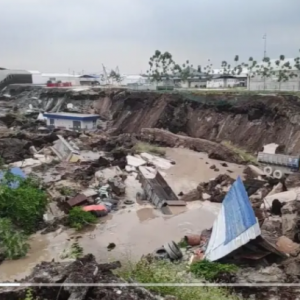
<point>38,79</point>
<point>69,123</point>
<point>258,83</point>
<point>222,82</point>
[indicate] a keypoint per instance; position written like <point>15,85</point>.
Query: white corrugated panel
<point>235,225</point>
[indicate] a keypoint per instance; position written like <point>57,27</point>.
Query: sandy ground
<point>137,229</point>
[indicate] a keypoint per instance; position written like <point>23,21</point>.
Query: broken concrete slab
<point>135,161</point>
<point>287,196</point>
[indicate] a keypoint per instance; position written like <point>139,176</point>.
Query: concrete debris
<point>117,185</point>
<point>270,274</point>
<point>291,220</point>
<point>282,197</point>
<point>134,161</point>
<point>84,270</point>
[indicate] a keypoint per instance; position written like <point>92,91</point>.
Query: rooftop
<point>66,114</point>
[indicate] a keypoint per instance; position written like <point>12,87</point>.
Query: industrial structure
<point>71,121</point>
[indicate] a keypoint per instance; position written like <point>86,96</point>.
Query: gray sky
<point>57,35</point>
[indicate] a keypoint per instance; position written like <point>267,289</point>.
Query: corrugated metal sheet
<point>235,225</point>
<point>157,189</point>
<point>77,200</point>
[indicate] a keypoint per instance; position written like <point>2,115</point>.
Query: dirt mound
<point>216,189</point>
<point>85,271</point>
<point>166,138</point>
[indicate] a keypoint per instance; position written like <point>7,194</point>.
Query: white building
<point>223,81</point>
<point>71,120</point>
<point>272,82</point>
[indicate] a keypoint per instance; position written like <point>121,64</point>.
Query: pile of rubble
<point>82,271</point>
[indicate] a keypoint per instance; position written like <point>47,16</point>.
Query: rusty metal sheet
<point>77,200</point>
<point>176,203</point>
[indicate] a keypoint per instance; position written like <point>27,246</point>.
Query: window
<point>51,121</point>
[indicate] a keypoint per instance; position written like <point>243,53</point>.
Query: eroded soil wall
<point>247,120</point>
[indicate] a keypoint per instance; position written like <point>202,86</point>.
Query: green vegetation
<point>182,244</point>
<point>29,295</point>
<point>66,191</point>
<point>21,209</point>
<point>79,218</point>
<point>158,271</point>
<point>211,270</point>
<point>24,205</point>
<point>141,147</point>
<point>13,243</point>
<point>244,155</point>
<point>75,252</point>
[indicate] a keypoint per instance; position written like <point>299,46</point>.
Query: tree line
<point>163,67</point>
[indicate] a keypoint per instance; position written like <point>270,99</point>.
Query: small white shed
<point>72,120</point>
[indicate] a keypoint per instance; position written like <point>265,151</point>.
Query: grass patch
<point>166,272</point>
<point>182,244</point>
<point>78,218</point>
<point>141,147</point>
<point>243,154</point>
<point>211,270</point>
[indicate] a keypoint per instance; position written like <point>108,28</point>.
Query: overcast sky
<point>62,35</point>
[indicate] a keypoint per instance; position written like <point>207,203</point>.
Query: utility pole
<point>265,45</point>
<point>265,55</point>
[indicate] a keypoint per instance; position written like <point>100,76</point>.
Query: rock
<point>216,170</point>
<point>292,181</point>
<point>180,194</point>
<point>117,185</point>
<point>212,167</point>
<point>291,219</point>
<point>292,267</point>
<point>273,226</point>
<point>271,274</point>
<point>224,165</point>
<point>103,162</point>
<point>287,246</point>
<point>229,171</point>
<point>206,196</point>
<point>84,270</point>
<point>278,188</point>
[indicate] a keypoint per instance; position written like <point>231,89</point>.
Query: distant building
<point>89,80</point>
<point>223,81</point>
<point>257,82</point>
<point>8,77</point>
<point>72,121</point>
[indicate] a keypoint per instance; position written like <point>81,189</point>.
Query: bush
<point>24,205</point>
<point>211,270</point>
<point>78,218</point>
<point>167,272</point>
<point>141,147</point>
<point>12,243</point>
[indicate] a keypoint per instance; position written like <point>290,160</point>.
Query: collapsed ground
<point>218,124</point>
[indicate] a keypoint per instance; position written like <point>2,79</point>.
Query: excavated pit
<point>247,120</point>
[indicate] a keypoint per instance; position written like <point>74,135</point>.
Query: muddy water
<point>192,167</point>
<point>135,229</point>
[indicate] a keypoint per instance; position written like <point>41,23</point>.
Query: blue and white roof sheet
<point>235,225</point>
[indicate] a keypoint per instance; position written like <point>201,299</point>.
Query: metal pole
<point>265,55</point>
<point>265,45</point>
